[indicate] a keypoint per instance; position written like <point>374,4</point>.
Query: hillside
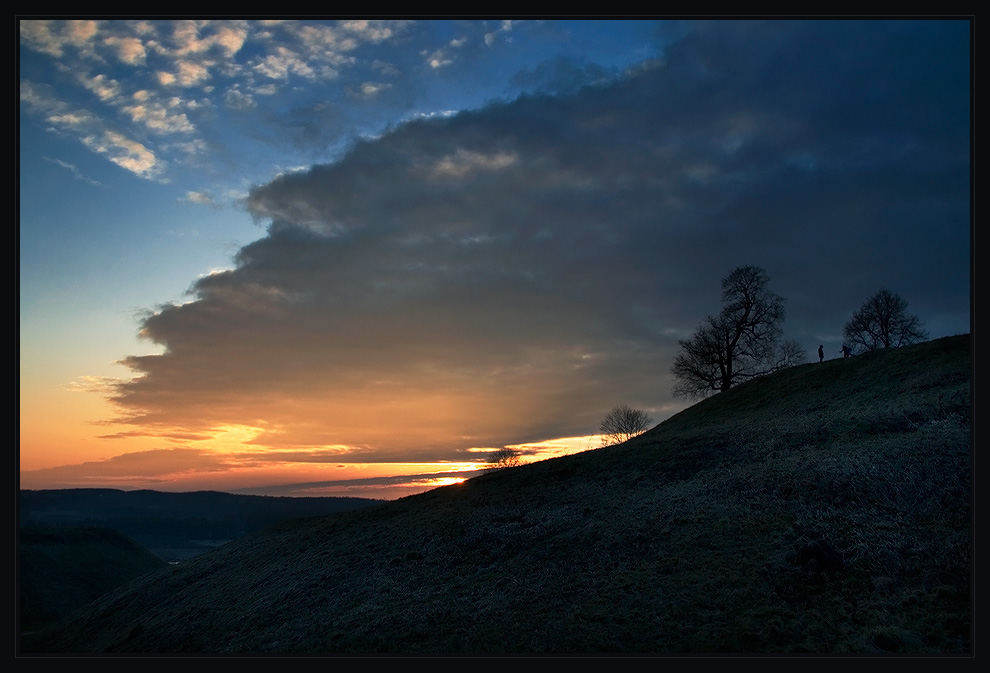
<point>64,569</point>
<point>823,509</point>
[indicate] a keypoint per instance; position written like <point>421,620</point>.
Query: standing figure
<point>821,353</point>
<point>846,351</point>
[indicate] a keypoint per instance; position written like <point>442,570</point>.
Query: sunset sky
<point>352,257</point>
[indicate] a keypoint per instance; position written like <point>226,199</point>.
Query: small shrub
<point>503,458</point>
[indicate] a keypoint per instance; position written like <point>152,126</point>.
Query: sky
<point>352,258</point>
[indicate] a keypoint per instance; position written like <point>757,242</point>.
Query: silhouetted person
<point>846,351</point>
<point>821,354</point>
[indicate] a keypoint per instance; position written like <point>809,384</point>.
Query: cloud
<point>387,69</point>
<point>75,171</point>
<point>131,71</point>
<point>123,76</point>
<point>126,153</point>
<point>196,470</point>
<point>562,76</point>
<point>104,87</point>
<point>236,99</point>
<point>507,275</point>
<point>462,162</point>
<point>201,198</point>
<point>199,37</point>
<point>371,487</point>
<point>371,89</point>
<point>152,469</point>
<point>54,37</point>
<point>284,61</point>
<point>130,50</point>
<point>322,50</point>
<point>159,118</point>
<point>504,27</point>
<point>93,132</point>
<point>190,73</point>
<point>438,58</point>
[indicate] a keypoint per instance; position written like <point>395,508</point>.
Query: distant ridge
<point>175,526</point>
<point>822,509</point>
<point>72,505</point>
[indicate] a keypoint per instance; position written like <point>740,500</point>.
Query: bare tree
<point>623,423</point>
<point>742,342</point>
<point>502,458</point>
<point>883,322</point>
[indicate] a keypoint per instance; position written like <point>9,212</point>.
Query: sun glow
<point>443,481</point>
<point>232,438</point>
<point>555,448</point>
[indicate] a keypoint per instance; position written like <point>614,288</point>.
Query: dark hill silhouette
<point>64,569</point>
<point>822,509</point>
<point>175,526</point>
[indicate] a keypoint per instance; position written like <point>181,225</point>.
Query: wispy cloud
<point>126,153</point>
<point>75,171</point>
<point>201,199</point>
<point>504,27</point>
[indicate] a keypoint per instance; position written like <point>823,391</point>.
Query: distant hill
<point>63,569</point>
<point>822,509</point>
<point>175,526</point>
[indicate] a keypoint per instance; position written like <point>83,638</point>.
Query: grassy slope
<point>690,538</point>
<point>64,569</point>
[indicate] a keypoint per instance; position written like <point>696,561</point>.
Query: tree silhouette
<point>883,322</point>
<point>742,342</point>
<point>503,458</point>
<point>622,423</point>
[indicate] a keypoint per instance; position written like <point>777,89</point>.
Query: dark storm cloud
<point>509,274</point>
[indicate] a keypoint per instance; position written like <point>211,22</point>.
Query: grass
<point>64,569</point>
<point>697,537</point>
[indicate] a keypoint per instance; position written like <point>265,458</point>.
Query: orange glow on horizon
<point>74,449</point>
<point>259,471</point>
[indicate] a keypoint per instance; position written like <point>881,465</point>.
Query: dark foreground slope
<point>822,509</point>
<point>64,569</point>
